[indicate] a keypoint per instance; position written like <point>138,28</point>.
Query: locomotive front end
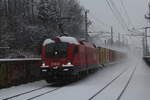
<point>57,57</point>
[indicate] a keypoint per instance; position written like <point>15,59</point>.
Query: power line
<point>114,13</point>
<point>118,13</point>
<point>126,13</point>
<point>86,24</point>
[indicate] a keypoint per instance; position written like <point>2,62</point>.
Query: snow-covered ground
<point>6,93</point>
<point>105,84</point>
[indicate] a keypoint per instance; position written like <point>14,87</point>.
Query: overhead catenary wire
<point>119,17</point>
<point>126,13</point>
<point>118,13</point>
<point>114,13</point>
<point>129,19</point>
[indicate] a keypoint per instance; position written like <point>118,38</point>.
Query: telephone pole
<point>146,30</point>
<point>86,25</point>
<point>143,45</point>
<point>119,38</point>
<point>146,46</point>
<point>123,39</point>
<point>111,35</point>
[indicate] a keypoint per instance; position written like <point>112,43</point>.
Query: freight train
<point>68,58</point>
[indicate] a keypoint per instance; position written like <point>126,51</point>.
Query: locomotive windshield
<point>56,50</point>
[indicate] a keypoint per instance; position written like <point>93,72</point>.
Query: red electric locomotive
<point>66,58</point>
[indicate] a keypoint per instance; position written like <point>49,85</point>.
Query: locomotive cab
<point>59,57</point>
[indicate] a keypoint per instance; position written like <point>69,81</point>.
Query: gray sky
<point>103,18</point>
<point>100,13</point>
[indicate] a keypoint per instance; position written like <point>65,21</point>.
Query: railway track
<point>125,87</point>
<point>32,91</point>
<point>43,93</point>
<point>47,90</point>
<point>55,89</point>
<point>112,81</point>
<point>17,95</point>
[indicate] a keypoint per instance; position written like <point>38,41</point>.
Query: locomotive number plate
<point>55,64</point>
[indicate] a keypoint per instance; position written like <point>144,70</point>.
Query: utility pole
<point>148,18</point>
<point>119,38</point>
<point>86,25</point>
<point>123,39</point>
<point>111,35</point>
<point>143,45</point>
<point>146,46</point>
<point>105,42</point>
<point>60,24</point>
<point>32,10</point>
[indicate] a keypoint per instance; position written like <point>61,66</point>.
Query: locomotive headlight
<point>69,64</point>
<point>44,65</point>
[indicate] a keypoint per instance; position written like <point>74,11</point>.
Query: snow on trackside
<point>67,39</point>
<point>48,41</point>
<point>138,88</point>
<point>8,92</point>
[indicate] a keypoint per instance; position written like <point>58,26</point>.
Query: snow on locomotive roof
<point>67,39</point>
<point>48,41</point>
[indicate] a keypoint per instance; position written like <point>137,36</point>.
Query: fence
<point>18,71</point>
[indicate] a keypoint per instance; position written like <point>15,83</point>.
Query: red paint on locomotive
<point>76,55</point>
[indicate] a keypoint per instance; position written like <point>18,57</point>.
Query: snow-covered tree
<point>65,12</point>
<point>24,24</point>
